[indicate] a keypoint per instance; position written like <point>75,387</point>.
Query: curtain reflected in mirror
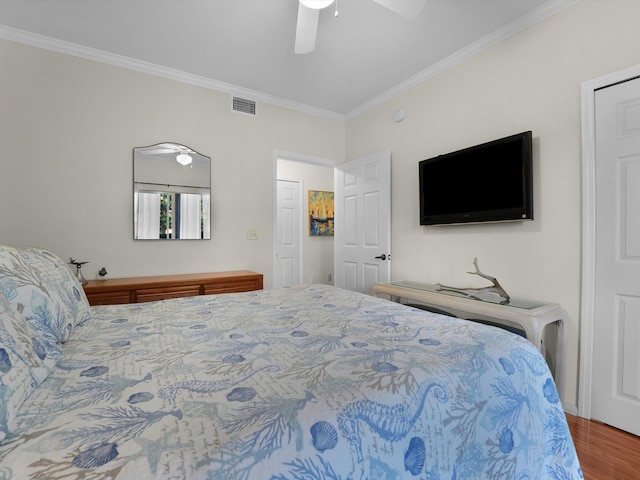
<point>172,193</point>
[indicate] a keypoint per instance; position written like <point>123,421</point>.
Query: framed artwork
<point>320,213</point>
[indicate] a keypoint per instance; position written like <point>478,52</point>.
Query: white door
<point>615,382</point>
<point>288,253</point>
<point>362,250</point>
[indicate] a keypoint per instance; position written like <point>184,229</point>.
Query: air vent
<point>243,105</point>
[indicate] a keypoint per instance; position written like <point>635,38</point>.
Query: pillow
<point>22,368</point>
<point>58,276</point>
<point>44,290</point>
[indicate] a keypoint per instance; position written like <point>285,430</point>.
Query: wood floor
<point>605,453</point>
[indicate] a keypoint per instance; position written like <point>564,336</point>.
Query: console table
<point>532,317</point>
<point>148,289</point>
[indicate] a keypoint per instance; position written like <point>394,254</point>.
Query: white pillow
<point>44,290</point>
<point>58,277</point>
<point>22,368</point>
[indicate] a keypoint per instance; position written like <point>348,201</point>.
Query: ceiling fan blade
<point>159,151</point>
<point>408,9</point>
<point>306,29</point>
<point>163,149</point>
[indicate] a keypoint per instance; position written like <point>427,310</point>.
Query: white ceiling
<point>361,56</point>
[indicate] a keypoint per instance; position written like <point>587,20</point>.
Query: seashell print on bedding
<point>96,456</point>
<point>241,394</point>
<point>140,397</point>
<point>415,456</point>
<point>324,436</point>
<point>308,382</point>
<point>94,371</point>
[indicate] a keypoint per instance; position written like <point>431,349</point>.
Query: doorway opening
<point>316,252</point>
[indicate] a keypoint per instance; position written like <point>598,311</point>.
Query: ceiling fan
<point>309,10</point>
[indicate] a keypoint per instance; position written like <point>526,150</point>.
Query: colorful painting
<point>320,213</point>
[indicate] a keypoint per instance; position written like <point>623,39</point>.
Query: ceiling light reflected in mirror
<point>184,159</point>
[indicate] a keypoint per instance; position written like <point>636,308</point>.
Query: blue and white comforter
<point>312,383</point>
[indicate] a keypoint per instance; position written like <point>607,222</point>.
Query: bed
<point>310,382</point>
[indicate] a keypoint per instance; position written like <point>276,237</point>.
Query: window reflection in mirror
<point>172,193</point>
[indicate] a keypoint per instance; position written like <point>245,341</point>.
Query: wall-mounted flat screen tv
<point>491,182</point>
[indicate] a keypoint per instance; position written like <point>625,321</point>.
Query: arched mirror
<point>171,193</point>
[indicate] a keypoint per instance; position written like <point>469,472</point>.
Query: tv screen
<point>491,182</point>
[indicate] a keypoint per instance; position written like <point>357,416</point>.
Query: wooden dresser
<point>149,289</point>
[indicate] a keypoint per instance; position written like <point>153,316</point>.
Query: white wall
<point>317,251</point>
<point>528,82</point>
<point>67,130</point>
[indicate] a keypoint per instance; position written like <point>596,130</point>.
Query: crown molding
<point>69,48</point>
<point>535,16</point>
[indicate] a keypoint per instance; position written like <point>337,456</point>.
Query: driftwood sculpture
<point>472,292</point>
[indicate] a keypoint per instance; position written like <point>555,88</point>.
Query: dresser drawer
<point>164,293</point>
<point>232,286</point>
<point>110,298</point>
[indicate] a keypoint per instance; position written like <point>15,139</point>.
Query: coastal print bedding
<point>21,369</point>
<point>310,382</point>
<point>44,290</point>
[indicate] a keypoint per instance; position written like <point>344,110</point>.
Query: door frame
<point>294,157</point>
<point>587,288</point>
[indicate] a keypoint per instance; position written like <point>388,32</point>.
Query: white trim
<point>295,157</point>
<point>535,16</point>
<point>570,408</point>
<point>302,158</point>
<point>68,48</point>
<point>587,292</point>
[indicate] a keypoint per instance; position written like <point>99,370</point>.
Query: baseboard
<point>570,409</point>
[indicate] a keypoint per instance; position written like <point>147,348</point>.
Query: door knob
<point>382,257</point>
